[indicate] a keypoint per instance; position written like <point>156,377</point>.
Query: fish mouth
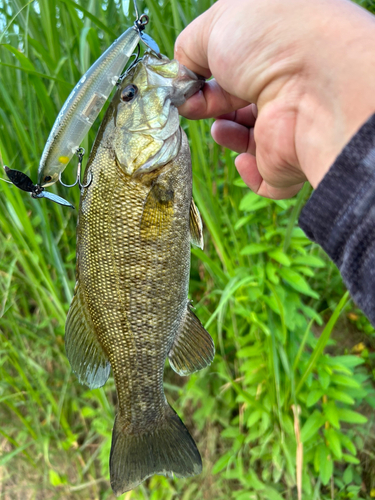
<point>186,84</point>
<point>195,86</point>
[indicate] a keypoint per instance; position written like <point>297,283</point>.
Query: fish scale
<point>130,309</point>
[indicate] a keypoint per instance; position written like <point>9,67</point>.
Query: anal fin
<point>196,226</point>
<point>85,353</point>
<point>193,347</point>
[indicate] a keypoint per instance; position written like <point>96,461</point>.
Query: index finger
<point>210,102</point>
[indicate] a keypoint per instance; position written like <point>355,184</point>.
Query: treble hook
<point>80,153</point>
<point>133,63</point>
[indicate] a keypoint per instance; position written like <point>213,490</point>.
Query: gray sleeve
<point>340,216</point>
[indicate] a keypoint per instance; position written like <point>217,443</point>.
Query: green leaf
<point>230,432</point>
<point>87,411</point>
<point>297,282</point>
<point>317,457</point>
<point>346,361</point>
<point>37,73</point>
<point>348,444</point>
<point>245,496</point>
<point>239,182</point>
<point>324,378</point>
<point>271,272</point>
<point>340,396</point>
<point>308,260</point>
<point>314,397</point>
<point>40,89</point>
<point>250,351</point>
<point>254,248</point>
<point>351,417</point>
<point>333,442</point>
<point>54,478</point>
<point>242,221</point>
<point>90,16</point>
<point>280,257</point>
<point>254,481</point>
<point>348,475</point>
<point>252,202</point>
<point>4,458</point>
<point>346,381</point>
<point>324,337</point>
<point>284,204</point>
<point>272,494</point>
<point>332,414</point>
<point>305,270</point>
<point>350,459</point>
<point>254,417</point>
<point>325,466</point>
<point>228,292</point>
<point>222,463</point>
<point>312,425</point>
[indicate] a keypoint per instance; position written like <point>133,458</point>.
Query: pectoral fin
<point>157,211</point>
<point>196,226</point>
<point>85,353</point>
<point>193,348</point>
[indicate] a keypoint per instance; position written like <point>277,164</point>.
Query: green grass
<point>262,289</point>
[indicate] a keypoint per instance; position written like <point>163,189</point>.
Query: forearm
<point>340,216</point>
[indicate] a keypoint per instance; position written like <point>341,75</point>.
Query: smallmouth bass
<point>130,309</point>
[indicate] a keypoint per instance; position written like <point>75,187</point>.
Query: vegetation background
<point>286,409</point>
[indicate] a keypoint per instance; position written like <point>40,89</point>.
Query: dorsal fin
<point>196,226</point>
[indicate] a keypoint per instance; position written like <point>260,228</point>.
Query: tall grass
<point>273,395</point>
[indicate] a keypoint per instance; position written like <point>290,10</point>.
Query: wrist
<point>330,113</point>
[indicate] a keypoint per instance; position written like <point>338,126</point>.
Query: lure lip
<point>23,182</point>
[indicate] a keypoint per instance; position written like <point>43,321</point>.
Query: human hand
<point>308,67</point>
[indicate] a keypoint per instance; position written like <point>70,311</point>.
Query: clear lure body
<point>83,106</point>
<point>80,111</point>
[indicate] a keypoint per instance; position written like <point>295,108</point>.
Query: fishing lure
<point>80,111</point>
<point>23,181</point>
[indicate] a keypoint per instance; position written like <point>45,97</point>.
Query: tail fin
<point>167,448</point>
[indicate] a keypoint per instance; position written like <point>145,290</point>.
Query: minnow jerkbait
<point>80,111</point>
<point>130,309</point>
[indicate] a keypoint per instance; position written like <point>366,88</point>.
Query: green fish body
<point>130,309</point>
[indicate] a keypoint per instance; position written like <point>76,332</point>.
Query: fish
<point>130,309</point>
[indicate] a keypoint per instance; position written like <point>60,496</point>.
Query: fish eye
<point>47,178</point>
<point>128,93</point>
